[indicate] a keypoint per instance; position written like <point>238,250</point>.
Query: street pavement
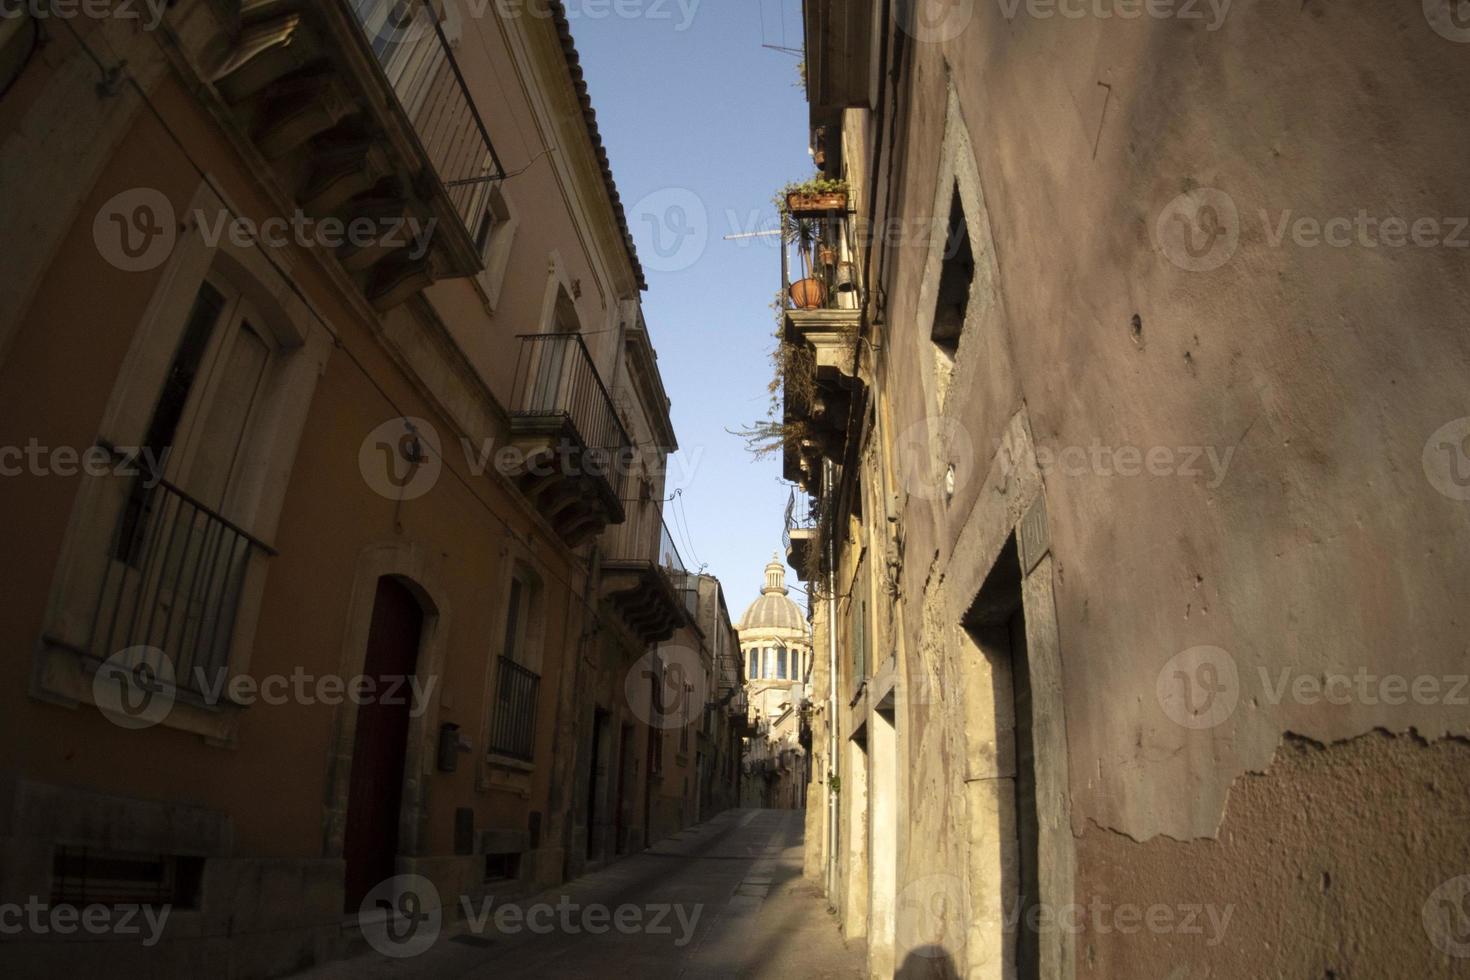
<point>724,899</point>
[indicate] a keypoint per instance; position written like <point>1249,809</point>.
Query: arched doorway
<point>380,744</point>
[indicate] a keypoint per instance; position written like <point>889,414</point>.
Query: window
<point>684,728</point>
<point>180,552</point>
<point>209,405</point>
<point>502,867</point>
<point>955,279</point>
<point>495,238</point>
<point>752,664</point>
<point>82,877</point>
<point>781,664</point>
<point>517,683</point>
<point>861,651</point>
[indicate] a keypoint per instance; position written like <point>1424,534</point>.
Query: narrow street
<point>884,489</point>
<point>724,898</point>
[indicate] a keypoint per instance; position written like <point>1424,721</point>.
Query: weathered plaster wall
<point>1313,542</point>
<point>1326,865</point>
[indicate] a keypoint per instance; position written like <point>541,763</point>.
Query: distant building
<point>776,654</point>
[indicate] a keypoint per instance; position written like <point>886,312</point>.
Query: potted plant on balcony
<point>809,292</point>
<point>819,195</point>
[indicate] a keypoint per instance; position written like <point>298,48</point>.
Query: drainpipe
<point>832,809</point>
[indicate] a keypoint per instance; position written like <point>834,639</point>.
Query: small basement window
<point>502,867</point>
<point>81,876</point>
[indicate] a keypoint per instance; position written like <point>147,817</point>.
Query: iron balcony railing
<point>818,271</point>
<point>685,582</point>
<point>413,47</point>
<point>801,514</point>
<point>513,734</point>
<point>173,583</point>
<point>556,379</point>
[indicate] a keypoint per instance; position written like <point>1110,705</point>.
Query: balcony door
<point>380,744</point>
<point>179,552</point>
<point>556,372</point>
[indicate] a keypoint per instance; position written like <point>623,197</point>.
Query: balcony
<point>842,54</point>
<point>644,578</point>
<point>802,534</point>
<point>360,111</point>
<point>573,452</point>
<point>740,720</point>
<point>173,584</point>
<point>822,320</point>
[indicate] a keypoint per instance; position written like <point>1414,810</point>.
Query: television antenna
<point>770,233</point>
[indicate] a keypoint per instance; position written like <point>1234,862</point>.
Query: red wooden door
<point>375,794</point>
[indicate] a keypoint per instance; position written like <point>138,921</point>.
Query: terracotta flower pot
<point>827,255</point>
<point>817,203</point>
<point>809,294</point>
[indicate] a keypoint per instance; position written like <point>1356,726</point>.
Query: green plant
<point>804,235</point>
<point>817,184</point>
<point>834,783</point>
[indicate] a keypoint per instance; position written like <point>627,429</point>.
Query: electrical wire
<point>688,537</point>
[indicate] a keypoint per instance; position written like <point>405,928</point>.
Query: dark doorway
<point>375,793</point>
<point>596,776</point>
<point>625,777</point>
<point>997,625</point>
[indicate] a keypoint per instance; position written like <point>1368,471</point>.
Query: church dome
<point>774,609</point>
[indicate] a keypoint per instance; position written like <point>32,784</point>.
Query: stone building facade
<point>336,561</point>
<point>1140,468</point>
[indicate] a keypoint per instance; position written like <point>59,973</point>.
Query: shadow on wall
<point>928,963</point>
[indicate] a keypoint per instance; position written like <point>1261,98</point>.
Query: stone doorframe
<point>1012,503</point>
<point>417,569</point>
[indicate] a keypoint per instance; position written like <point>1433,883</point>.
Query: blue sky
<point>703,125</point>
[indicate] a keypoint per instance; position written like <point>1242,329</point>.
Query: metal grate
<point>178,586</point>
<point>513,733</point>
<point>557,379</point>
<point>80,877</point>
<point>409,41</point>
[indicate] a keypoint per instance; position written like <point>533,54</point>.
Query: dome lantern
<point>774,609</point>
